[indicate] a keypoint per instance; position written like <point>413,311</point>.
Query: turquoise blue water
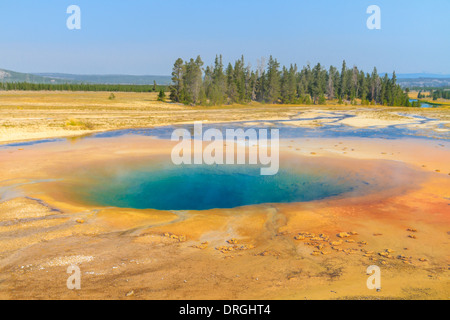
<point>208,187</point>
<point>425,105</point>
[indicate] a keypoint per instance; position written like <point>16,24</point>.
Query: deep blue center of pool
<point>207,187</point>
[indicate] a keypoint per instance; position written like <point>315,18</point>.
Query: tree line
<point>194,84</point>
<point>441,94</point>
<point>27,86</point>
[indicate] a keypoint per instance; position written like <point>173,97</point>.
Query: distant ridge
<point>60,78</point>
<point>420,80</point>
<point>418,75</point>
<point>12,76</point>
<point>424,82</point>
<point>405,80</point>
<point>109,78</point>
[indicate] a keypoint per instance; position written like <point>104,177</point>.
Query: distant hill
<point>410,80</point>
<point>59,78</point>
<point>423,75</point>
<point>424,82</point>
<point>417,75</point>
<point>405,80</point>
<point>109,79</point>
<point>12,76</point>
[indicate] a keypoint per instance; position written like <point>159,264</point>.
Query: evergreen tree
<point>343,81</point>
<point>354,85</point>
<point>192,81</point>
<point>317,86</point>
<point>231,85</point>
<point>375,85</point>
<point>288,84</point>
<point>218,95</point>
<point>240,79</point>
<point>273,81</point>
<point>161,95</point>
<point>177,81</point>
<point>330,83</point>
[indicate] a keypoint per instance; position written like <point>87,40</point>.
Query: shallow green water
<point>207,187</point>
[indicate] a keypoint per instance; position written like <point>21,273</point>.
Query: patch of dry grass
<point>32,115</point>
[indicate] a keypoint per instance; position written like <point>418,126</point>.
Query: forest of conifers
<point>216,85</point>
<point>27,86</point>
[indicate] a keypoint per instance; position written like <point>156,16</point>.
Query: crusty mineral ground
<point>312,250</point>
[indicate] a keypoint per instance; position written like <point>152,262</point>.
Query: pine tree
<point>288,84</point>
<point>240,79</point>
<point>218,95</point>
<point>354,91</point>
<point>161,95</point>
<point>192,81</point>
<point>363,84</point>
<point>273,81</point>
<point>317,87</point>
<point>177,81</point>
<point>330,82</point>
<point>343,81</point>
<point>231,85</point>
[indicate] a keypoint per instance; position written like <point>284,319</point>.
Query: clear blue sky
<point>146,36</point>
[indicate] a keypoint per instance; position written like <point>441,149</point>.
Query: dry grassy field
<point>37,115</point>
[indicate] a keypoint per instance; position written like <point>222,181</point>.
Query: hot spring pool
<point>170,187</point>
